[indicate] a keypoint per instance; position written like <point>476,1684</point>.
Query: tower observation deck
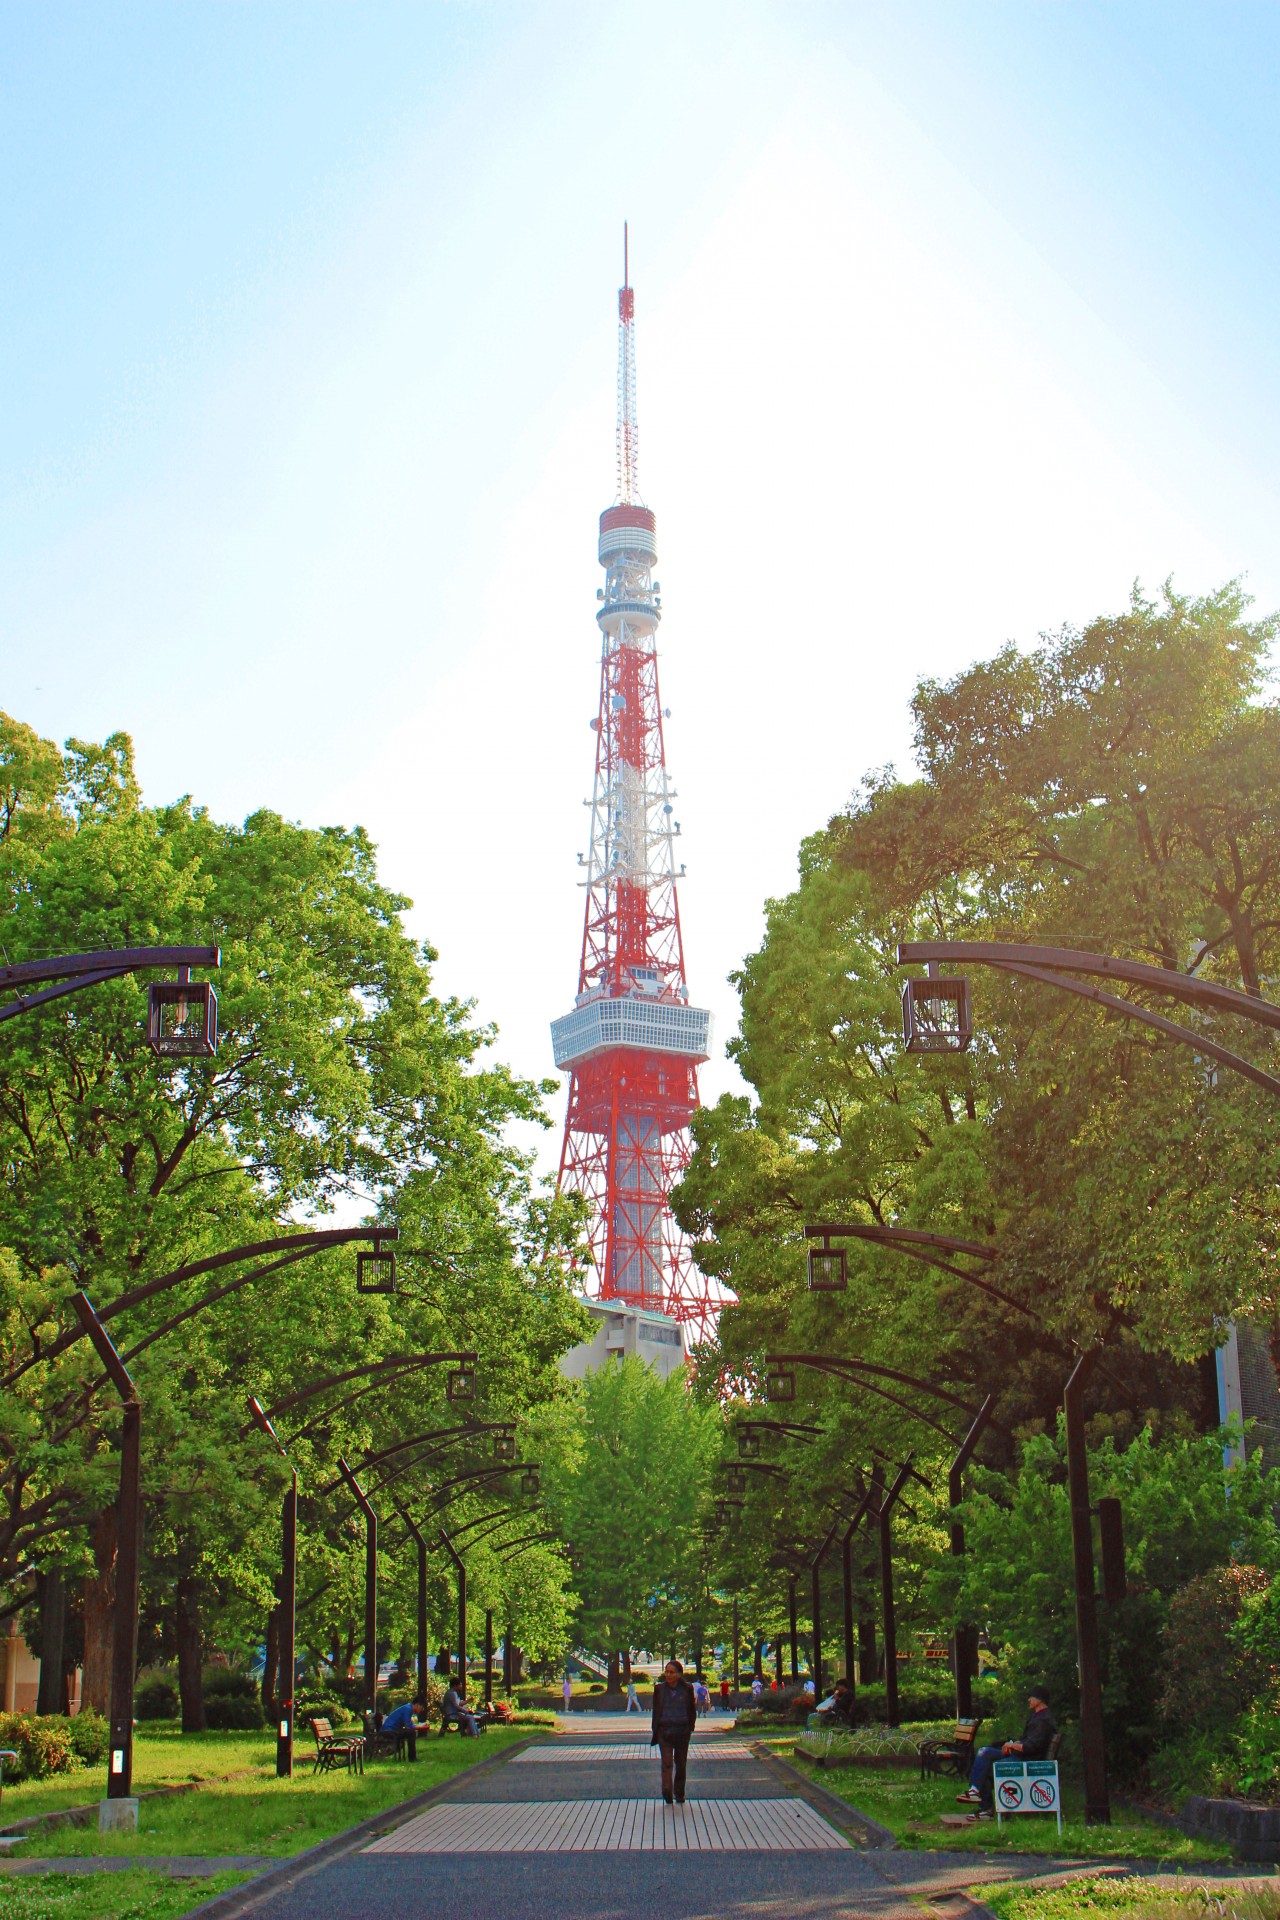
<point>632,1042</point>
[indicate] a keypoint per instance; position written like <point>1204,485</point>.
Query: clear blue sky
<point>953,319</point>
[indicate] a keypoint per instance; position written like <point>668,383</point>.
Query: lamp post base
<point>118,1816</point>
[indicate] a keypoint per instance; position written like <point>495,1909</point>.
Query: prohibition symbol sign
<point>1042,1794</point>
<point>1011,1794</point>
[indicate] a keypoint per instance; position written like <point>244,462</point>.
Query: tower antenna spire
<point>628,429</point>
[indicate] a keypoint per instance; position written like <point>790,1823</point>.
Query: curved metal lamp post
<point>285,1250</point>
<point>182,1018</point>
<point>124,1620</point>
<point>370,1587</point>
<point>780,1372</point>
<point>286,1597</point>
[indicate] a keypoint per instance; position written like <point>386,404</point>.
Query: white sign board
<point>1027,1786</point>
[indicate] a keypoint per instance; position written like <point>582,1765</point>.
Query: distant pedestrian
<point>725,1691</point>
<point>633,1698</point>
<point>675,1714</point>
<point>567,1691</point>
<point>757,1687</point>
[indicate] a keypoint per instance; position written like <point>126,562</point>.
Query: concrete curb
<point>866,1832</point>
<point>228,1906</point>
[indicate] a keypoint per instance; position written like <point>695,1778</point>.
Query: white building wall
<point>619,1329</point>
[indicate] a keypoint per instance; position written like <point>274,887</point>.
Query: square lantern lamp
<point>735,1480</point>
<point>937,1015</point>
<point>531,1481</point>
<point>461,1385</point>
<point>504,1446</point>
<point>376,1270</point>
<point>748,1445</point>
<point>182,1018</point>
<point>780,1384</point>
<point>828,1269</point>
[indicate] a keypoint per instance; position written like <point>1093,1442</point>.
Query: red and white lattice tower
<point>632,1043</point>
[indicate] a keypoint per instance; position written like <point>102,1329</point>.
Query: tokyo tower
<point>632,1042</point>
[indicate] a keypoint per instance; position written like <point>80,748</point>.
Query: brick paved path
<point>577,1830</point>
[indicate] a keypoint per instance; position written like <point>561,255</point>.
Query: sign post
<point>1027,1786</point>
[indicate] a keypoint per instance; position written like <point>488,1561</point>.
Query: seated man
<point>1034,1744</point>
<point>454,1708</point>
<point>837,1708</point>
<point>402,1723</point>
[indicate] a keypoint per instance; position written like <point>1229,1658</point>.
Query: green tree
<point>634,1505</point>
<point>341,1081</point>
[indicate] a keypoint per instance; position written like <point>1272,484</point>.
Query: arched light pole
<point>285,1250</point>
<point>780,1379</point>
<point>124,1620</point>
<point>370,1587</point>
<point>182,1014</point>
<point>286,1598</point>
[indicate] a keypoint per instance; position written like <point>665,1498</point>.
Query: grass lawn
<point>162,1756</point>
<point>254,1813</point>
<point>106,1896</point>
<point>1134,1899</point>
<point>912,1810</point>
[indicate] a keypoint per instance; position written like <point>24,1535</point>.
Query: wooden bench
<point>955,1754</point>
<point>332,1747</point>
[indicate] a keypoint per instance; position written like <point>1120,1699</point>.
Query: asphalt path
<point>827,1879</point>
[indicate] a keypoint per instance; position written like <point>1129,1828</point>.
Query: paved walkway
<point>556,1830</point>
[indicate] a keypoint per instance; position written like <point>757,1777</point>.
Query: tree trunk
<point>99,1603</point>
<point>270,1662</point>
<point>613,1683</point>
<point>626,1664</point>
<point>348,1663</point>
<point>757,1661</point>
<point>190,1653</point>
<point>517,1666</point>
<point>52,1591</point>
<point>868,1663</point>
<point>443,1667</point>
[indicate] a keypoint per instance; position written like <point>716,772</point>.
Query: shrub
<point>223,1683</point>
<point>156,1698</point>
<point>917,1700</point>
<point>309,1701</point>
<point>43,1745</point>
<point>1209,1675</point>
<point>88,1734</point>
<point>233,1713</point>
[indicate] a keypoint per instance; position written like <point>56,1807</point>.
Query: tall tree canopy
<point>341,1081</point>
<point>1112,789</point>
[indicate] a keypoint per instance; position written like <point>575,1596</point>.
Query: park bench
<point>378,1744</point>
<point>954,1754</point>
<point>332,1747</point>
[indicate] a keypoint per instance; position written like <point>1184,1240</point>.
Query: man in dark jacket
<point>1034,1743</point>
<point>675,1713</point>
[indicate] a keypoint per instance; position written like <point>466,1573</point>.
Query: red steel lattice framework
<point>632,1043</point>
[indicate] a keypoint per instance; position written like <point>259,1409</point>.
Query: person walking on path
<point>567,1690</point>
<point>633,1698</point>
<point>675,1714</point>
